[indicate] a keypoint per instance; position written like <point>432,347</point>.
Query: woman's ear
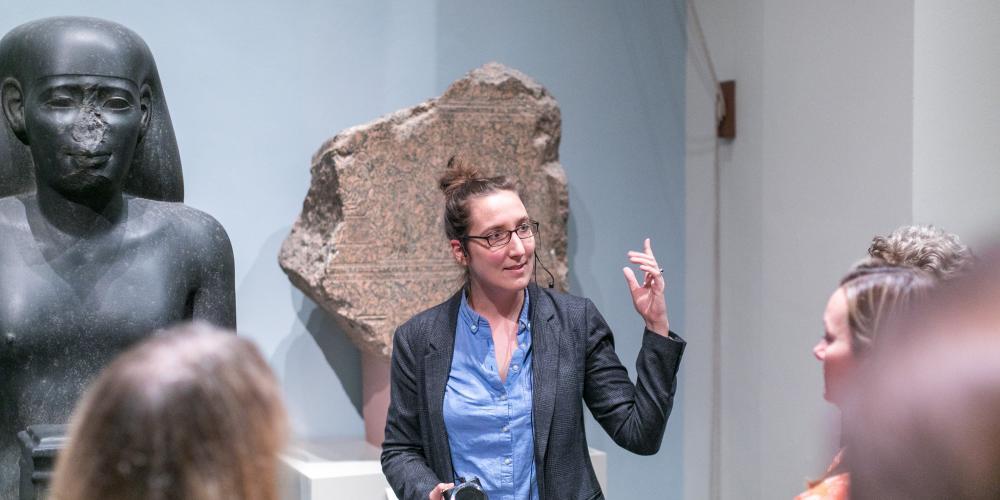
<point>458,252</point>
<point>13,107</point>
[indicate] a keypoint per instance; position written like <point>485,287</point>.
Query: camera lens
<point>469,494</point>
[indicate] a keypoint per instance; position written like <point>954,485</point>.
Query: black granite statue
<point>96,250</point>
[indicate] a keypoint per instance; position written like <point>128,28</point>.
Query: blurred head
<point>867,299</point>
<point>929,248</point>
<point>478,211</point>
<point>191,413</point>
<point>927,424</point>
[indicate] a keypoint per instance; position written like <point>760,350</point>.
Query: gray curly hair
<point>929,248</point>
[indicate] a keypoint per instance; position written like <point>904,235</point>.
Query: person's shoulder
<point>560,300</point>
<point>12,214</point>
<point>572,312</point>
<point>560,296</point>
<point>187,223</point>
<point>423,322</point>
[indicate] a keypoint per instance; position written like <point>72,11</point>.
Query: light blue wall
<point>255,87</point>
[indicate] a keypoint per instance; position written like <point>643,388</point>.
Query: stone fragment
<point>369,245</point>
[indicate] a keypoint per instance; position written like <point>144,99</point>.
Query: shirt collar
<point>523,323</point>
<point>475,322</point>
<point>470,318</point>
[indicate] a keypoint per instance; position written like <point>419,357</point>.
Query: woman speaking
<point>489,384</point>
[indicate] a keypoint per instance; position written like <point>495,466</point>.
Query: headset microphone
<point>552,279</point>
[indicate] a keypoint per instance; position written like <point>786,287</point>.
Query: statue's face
<point>83,131</point>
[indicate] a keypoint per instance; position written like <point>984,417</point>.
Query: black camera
<point>466,490</point>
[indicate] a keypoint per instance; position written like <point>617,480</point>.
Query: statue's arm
<point>214,298</point>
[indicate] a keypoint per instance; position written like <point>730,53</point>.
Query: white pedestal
<point>322,469</point>
<point>350,468</point>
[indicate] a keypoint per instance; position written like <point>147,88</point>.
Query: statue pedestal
<point>350,468</point>
<point>375,393</point>
<point>40,444</point>
<point>321,469</point>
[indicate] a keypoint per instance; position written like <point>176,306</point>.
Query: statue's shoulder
<point>183,222</point>
<point>12,214</point>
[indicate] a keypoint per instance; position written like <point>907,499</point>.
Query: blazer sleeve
<point>403,456</point>
<point>634,415</point>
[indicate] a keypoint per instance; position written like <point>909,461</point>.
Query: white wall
<point>837,156</point>
<point>956,120</point>
<point>699,284</point>
<point>821,162</point>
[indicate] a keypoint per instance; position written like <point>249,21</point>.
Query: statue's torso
<point>65,313</point>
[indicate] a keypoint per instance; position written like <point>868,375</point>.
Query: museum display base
<point>40,444</point>
<point>350,468</point>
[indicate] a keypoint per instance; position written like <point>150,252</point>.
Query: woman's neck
<point>495,304</point>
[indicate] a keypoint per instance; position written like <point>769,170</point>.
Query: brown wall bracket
<point>727,125</point>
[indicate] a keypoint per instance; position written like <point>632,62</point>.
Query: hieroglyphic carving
<point>369,246</point>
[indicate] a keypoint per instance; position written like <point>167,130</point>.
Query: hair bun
<point>882,249</point>
<point>456,175</point>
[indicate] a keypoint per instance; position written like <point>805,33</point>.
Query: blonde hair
<point>876,294</point>
<point>925,247</point>
<point>192,413</point>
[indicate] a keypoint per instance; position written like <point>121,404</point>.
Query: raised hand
<point>648,297</point>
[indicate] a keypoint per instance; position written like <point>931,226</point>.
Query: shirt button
<point>515,368</point>
<point>524,345</point>
<point>506,461</point>
<point>503,397</point>
<point>505,429</point>
<point>474,328</point>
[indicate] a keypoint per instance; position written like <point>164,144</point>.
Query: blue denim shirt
<point>489,422</point>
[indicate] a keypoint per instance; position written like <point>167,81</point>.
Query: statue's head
<point>84,97</point>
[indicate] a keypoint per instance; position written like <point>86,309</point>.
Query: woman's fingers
<point>650,270</point>
<point>647,249</point>
<point>644,257</point>
<point>647,262</point>
<point>438,492</point>
<point>630,278</point>
<point>636,252</point>
<point>639,258</point>
<point>651,275</point>
<point>643,260</point>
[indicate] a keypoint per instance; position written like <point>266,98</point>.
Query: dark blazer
<point>573,360</point>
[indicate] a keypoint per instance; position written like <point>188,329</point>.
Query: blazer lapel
<point>437,366</point>
<point>544,368</point>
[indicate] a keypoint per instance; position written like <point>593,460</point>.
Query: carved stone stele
<point>369,245</point>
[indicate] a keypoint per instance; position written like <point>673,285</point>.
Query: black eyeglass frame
<point>531,225</point>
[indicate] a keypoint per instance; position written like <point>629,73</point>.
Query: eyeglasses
<point>500,237</point>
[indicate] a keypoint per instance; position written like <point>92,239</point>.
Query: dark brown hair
<point>192,413</point>
<point>461,182</point>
